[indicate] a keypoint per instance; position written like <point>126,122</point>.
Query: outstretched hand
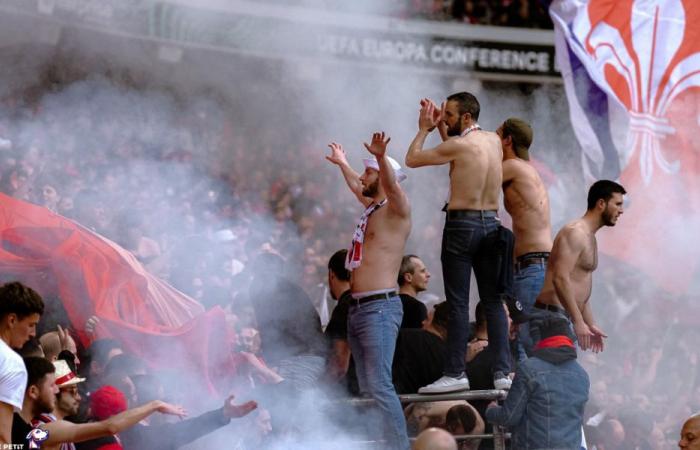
<point>378,145</point>
<point>337,155</point>
<point>172,410</point>
<point>233,411</point>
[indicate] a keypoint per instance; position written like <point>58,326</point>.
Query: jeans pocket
<point>457,240</point>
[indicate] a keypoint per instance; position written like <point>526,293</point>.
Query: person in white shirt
<point>20,310</point>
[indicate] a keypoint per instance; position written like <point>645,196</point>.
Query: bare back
<point>527,202</point>
<point>475,172</point>
<point>572,262</point>
<point>383,248</point>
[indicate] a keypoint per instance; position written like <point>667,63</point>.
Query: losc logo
<point>36,437</point>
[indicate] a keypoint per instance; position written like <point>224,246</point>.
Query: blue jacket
<point>544,407</point>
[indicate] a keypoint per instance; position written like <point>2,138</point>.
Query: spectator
<point>20,310</point>
<point>544,407</point>
<point>168,436</point>
<point>54,342</point>
<point>413,278</point>
<point>435,439</point>
<point>690,434</point>
<point>40,398</point>
<point>420,353</point>
<point>337,329</point>
<point>464,420</point>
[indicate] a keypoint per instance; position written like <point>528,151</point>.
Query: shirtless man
<point>375,257</point>
<point>569,277</point>
<point>471,229</point>
<point>690,434</point>
<point>527,202</point>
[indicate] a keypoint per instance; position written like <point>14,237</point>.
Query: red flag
<point>94,276</point>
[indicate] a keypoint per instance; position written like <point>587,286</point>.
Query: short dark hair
<point>337,265</point>
<point>441,315</point>
<point>31,348</point>
<point>37,369</point>
<point>466,103</point>
<point>461,415</point>
<point>407,266</point>
<point>520,133</point>
<point>603,190</point>
<point>19,299</point>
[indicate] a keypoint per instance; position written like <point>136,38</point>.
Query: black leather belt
<point>530,259</point>
<point>371,298</point>
<point>553,308</point>
<point>470,213</point>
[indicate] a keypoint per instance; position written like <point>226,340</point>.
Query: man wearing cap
<point>544,407</point>
<point>527,202</point>
<point>374,259</point>
<point>67,399</point>
<point>472,233</point>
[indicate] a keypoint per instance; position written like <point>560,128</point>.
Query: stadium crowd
<point>224,199</point>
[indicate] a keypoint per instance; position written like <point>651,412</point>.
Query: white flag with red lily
<point>632,77</point>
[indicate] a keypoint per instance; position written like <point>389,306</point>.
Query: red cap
<point>106,402</point>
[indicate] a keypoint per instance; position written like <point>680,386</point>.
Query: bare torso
<point>385,239</point>
<point>581,276</point>
<point>476,173</point>
<point>527,202</point>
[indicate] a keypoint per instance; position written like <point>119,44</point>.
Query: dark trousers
<point>471,240</point>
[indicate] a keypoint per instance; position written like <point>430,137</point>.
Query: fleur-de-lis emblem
<point>642,72</point>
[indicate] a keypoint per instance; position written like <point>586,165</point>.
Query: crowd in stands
<point>224,201</point>
<point>506,13</point>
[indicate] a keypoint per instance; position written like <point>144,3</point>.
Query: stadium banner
<point>291,32</point>
<point>631,71</point>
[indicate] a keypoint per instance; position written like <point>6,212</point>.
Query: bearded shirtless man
<point>374,260</point>
<point>569,277</point>
<point>470,236</point>
<point>527,202</point>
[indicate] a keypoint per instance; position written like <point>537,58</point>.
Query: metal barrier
<point>499,435</point>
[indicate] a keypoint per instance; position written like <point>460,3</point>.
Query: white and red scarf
<point>354,257</point>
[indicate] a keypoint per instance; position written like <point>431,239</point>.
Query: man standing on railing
<point>569,277</point>
<point>374,258</point>
<point>527,202</point>
<point>471,234</point>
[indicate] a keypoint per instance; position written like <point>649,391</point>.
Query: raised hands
<point>430,115</point>
<point>378,145</point>
<point>233,411</point>
<point>337,155</point>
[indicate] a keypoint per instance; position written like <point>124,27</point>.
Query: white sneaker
<point>502,383</point>
<point>445,385</point>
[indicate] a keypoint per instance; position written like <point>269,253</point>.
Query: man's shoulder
<point>10,361</point>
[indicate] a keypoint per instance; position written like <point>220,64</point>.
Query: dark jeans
<point>470,240</point>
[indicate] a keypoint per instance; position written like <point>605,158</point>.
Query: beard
<point>44,407</point>
<point>455,130</point>
<point>607,218</point>
<point>371,190</point>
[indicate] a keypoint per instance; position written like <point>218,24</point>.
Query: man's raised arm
<point>398,202</point>
<point>64,431</point>
<point>352,178</point>
<point>565,254</point>
<point>427,121</point>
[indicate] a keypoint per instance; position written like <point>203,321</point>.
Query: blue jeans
<point>527,284</point>
<point>470,241</point>
<point>372,331</point>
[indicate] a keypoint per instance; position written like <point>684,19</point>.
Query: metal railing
<point>499,435</point>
